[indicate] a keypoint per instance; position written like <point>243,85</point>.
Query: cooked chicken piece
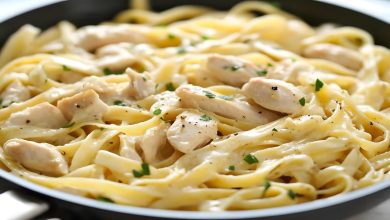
<point>343,56</point>
<point>85,106</point>
<point>128,146</point>
<point>115,56</point>
<point>41,157</point>
<point>153,140</point>
<point>15,92</point>
<point>93,37</point>
<point>231,70</point>
<point>140,85</point>
<point>70,77</point>
<point>166,101</point>
<point>43,115</point>
<point>274,94</point>
<point>191,130</point>
<point>105,90</point>
<point>288,70</point>
<point>200,98</point>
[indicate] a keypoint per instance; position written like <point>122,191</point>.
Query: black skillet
<point>85,12</point>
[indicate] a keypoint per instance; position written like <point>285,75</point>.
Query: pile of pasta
<point>337,142</point>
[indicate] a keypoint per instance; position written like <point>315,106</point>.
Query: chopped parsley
<point>137,174</point>
<point>181,50</point>
<point>170,86</point>
<point>302,101</point>
<point>250,159</point>
<point>144,78</point>
<point>269,64</point>
<point>235,67</point>
<point>266,185</point>
<point>205,37</point>
<point>291,194</point>
<point>171,36</point>
<point>261,72</point>
<point>208,94</point>
<point>231,168</point>
<point>274,129</point>
<point>119,102</point>
<point>107,72</point>
<point>318,85</point>
<point>104,199</point>
<point>157,111</point>
<point>66,68</point>
<point>68,125</point>
<point>227,98</point>
<point>145,170</point>
<point>205,118</point>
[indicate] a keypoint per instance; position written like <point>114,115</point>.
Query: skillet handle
<point>16,205</point>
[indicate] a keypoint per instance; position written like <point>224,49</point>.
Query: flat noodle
<point>122,150</point>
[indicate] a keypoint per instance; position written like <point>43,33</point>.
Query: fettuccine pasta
<point>196,109</point>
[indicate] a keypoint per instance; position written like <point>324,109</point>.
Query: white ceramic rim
<point>260,213</point>
<point>159,213</point>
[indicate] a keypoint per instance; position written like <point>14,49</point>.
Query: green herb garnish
<point>291,194</point>
<point>269,64</point>
<point>205,37</point>
<point>250,159</point>
<point>171,36</point>
<point>231,168</point>
<point>209,95</point>
<point>157,111</point>
<point>235,67</point>
<point>205,118</point>
<point>170,87</point>
<point>137,174</point>
<point>266,185</point>
<point>104,199</point>
<point>302,101</point>
<point>107,72</point>
<point>69,125</point>
<point>261,72</point>
<point>119,102</point>
<point>319,84</point>
<point>66,68</point>
<point>274,129</point>
<point>145,170</point>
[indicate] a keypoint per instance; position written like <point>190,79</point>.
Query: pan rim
<point>160,213</point>
<point>177,214</point>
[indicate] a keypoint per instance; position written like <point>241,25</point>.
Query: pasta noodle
<point>196,109</point>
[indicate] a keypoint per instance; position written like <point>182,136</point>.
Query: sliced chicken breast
<point>43,115</point>
<point>191,131</point>
<point>14,92</point>
<point>231,70</point>
<point>204,99</point>
<point>153,140</point>
<point>128,147</point>
<point>93,37</point>
<point>140,85</point>
<point>341,55</point>
<point>274,94</point>
<point>85,106</point>
<point>40,157</point>
<point>115,56</point>
<point>166,101</point>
